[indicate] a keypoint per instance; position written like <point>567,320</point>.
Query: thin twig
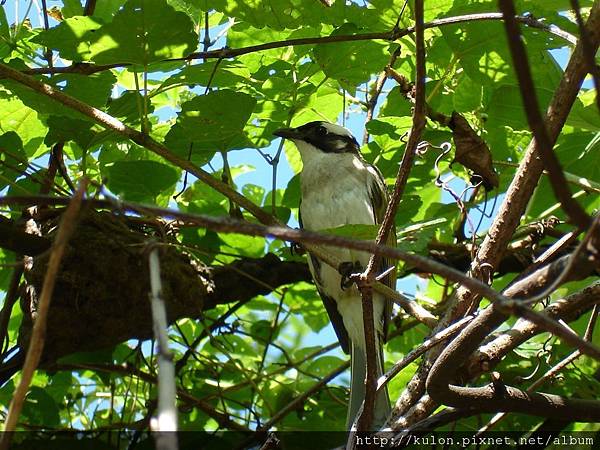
<point>294,404</point>
<point>9,301</point>
<point>411,146</point>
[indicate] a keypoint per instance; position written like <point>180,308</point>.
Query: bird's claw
<point>297,249</point>
<point>348,270</point>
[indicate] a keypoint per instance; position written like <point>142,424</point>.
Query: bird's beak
<point>288,133</point>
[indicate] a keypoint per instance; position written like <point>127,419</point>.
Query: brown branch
<point>111,123</point>
<point>36,345</point>
<point>534,116</point>
<point>411,146</point>
<point>527,176</point>
<point>58,159</point>
<point>88,69</point>
<point>9,302</point>
<point>307,237</point>
<point>427,344</point>
<point>544,280</point>
<point>444,417</point>
<point>108,246</point>
<point>17,240</point>
<point>554,370</point>
<point>365,418</point>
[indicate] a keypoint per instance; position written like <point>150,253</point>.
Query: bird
<point>338,187</point>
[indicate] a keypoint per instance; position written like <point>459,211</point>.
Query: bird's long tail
<point>357,386</point>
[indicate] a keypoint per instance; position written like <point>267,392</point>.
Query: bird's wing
<point>331,307</point>
<point>379,199</point>
<point>330,304</point>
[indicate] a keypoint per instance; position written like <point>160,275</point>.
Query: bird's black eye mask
<point>318,135</point>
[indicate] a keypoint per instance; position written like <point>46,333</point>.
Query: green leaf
<point>143,32</point>
<point>127,107</point>
<point>362,232</point>
<point>40,408</point>
<point>13,160</point>
<point>211,123</point>
<point>324,365</point>
<point>64,129</point>
<point>244,245</point>
<point>506,107</point>
<point>346,61</point>
<point>91,89</point>
<point>71,8</point>
<point>263,331</point>
<point>194,9</point>
<point>94,89</point>
<point>290,14</point>
<point>203,199</point>
<point>468,95</point>
<point>140,181</point>
<point>5,39</point>
<point>218,73</point>
<point>254,192</point>
<point>24,121</point>
<point>584,114</point>
<point>106,9</point>
<point>72,38</point>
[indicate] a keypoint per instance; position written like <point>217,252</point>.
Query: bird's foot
<point>349,271</point>
<point>297,249</point>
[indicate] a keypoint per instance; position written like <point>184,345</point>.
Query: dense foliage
<point>155,65</point>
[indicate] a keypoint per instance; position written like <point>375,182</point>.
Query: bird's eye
<point>321,131</point>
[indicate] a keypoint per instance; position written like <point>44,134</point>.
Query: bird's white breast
<point>335,192</point>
